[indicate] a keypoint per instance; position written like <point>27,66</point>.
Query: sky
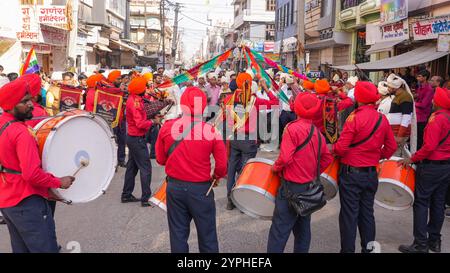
<point>193,32</point>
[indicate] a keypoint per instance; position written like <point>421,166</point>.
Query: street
<point>108,226</point>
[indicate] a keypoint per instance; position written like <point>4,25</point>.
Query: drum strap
<point>3,169</point>
<point>448,134</point>
<point>177,142</point>
<point>301,146</point>
<point>371,133</point>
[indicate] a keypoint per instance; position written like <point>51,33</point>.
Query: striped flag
<point>31,63</point>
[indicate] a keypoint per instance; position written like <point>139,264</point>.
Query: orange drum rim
<point>160,202</point>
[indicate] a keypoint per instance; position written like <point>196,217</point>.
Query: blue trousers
<point>432,182</point>
<point>138,160</point>
<point>187,201</point>
<point>151,137</point>
<point>121,137</point>
<point>357,196</point>
<point>286,220</point>
<point>285,118</point>
<point>31,226</point>
<point>240,152</point>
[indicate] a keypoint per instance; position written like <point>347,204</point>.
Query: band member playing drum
<point>298,169</point>
<point>432,178</point>
<point>184,146</point>
<point>139,157</point>
<point>366,138</point>
<point>24,185</point>
<point>39,112</point>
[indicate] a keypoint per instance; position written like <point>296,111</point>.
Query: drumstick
<point>210,188</point>
<point>83,163</point>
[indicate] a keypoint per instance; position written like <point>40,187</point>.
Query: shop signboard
<point>392,11</point>
<point>431,28</point>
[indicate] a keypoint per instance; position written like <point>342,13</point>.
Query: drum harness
<point>3,169</point>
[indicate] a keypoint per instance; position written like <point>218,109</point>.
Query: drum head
<point>81,137</point>
<point>254,201</point>
<point>330,187</point>
<point>393,195</point>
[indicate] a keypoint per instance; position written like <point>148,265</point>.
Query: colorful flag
<point>31,63</point>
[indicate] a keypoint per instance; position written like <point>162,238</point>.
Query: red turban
<point>137,85</point>
<point>306,105</point>
<point>93,80</point>
<point>191,98</point>
<point>366,92</point>
<point>322,86</point>
<point>442,98</point>
<point>308,85</point>
<point>113,75</point>
<point>12,93</point>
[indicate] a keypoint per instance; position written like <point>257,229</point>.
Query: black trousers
<point>285,221</point>
<point>432,182</point>
<point>285,118</point>
<point>420,131</point>
<point>240,152</point>
<point>31,226</point>
<point>138,160</point>
<point>357,195</point>
<point>151,137</point>
<point>187,201</point>
<point>121,138</point>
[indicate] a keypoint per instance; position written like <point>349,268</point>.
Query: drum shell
<point>160,197</point>
<point>330,179</point>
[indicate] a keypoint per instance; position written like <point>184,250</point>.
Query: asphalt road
<point>108,226</point>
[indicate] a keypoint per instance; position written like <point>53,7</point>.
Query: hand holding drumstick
<point>67,181</point>
<point>214,183</point>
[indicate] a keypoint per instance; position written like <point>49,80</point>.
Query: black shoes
<point>230,205</point>
<point>435,246</point>
<point>122,164</point>
<point>414,248</point>
<point>146,204</point>
<point>130,199</point>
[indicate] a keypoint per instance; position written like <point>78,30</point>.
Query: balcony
<point>369,11</point>
<point>254,15</point>
<point>349,13</point>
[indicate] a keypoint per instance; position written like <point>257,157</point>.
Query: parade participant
<point>432,178</point>
<point>402,115</point>
<point>264,119</point>
<point>83,81</point>
<point>213,89</point>
<point>138,155</point>
<point>386,98</point>
<point>243,147</point>
<point>225,90</point>
<point>173,93</point>
<point>114,78</point>
<point>25,185</point>
<point>423,103</point>
<point>332,102</point>
<point>189,174</point>
<point>298,170</point>
<point>68,78</point>
<point>90,93</point>
<point>365,139</point>
<point>308,86</point>
<point>350,86</point>
<point>286,115</point>
<point>12,76</point>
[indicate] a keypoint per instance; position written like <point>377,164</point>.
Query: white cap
<point>394,81</point>
<point>289,80</point>
<point>169,73</point>
<point>352,80</point>
<point>250,72</point>
<point>383,88</point>
<point>270,72</point>
<point>336,77</point>
<point>225,80</point>
<point>212,75</point>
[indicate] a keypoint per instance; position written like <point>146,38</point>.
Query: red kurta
<point>437,128</point>
<point>19,152</point>
<point>191,160</point>
<point>301,167</point>
<point>138,124</point>
<point>357,127</point>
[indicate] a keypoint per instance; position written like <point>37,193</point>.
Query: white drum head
<point>330,187</point>
<point>76,138</point>
<point>394,195</point>
<point>155,201</point>
<point>254,201</point>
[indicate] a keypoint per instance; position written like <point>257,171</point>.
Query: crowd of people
<point>344,117</point>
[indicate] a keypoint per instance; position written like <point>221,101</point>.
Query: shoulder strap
<point>301,146</point>
<point>371,133</point>
<point>448,133</point>
<point>318,158</point>
<point>177,142</point>
<point>3,169</point>
<point>6,125</point>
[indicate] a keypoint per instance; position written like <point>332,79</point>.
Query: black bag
<point>313,199</point>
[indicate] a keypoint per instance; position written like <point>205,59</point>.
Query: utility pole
<point>282,40</point>
<point>175,31</point>
<point>163,32</point>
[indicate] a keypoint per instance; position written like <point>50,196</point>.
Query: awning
<point>338,39</point>
<point>417,56</point>
<point>102,47</point>
<point>125,46</point>
<point>381,47</point>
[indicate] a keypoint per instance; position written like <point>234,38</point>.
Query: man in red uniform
<point>39,112</point>
<point>189,173</point>
<point>299,170</point>
<point>244,145</point>
<point>90,93</point>
<point>432,178</point>
<point>138,156</point>
<point>366,138</point>
<point>24,185</point>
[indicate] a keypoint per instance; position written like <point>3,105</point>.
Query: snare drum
<point>256,189</point>
<point>67,139</point>
<point>396,185</point>
<point>329,180</point>
<point>159,198</point>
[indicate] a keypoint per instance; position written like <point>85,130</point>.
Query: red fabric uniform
<point>191,161</point>
<point>344,103</point>
<point>437,128</point>
<point>90,100</point>
<point>357,127</point>
<point>301,167</point>
<point>138,124</point>
<point>19,152</point>
<point>38,111</point>
<point>251,123</point>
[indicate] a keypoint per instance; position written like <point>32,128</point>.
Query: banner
<point>392,11</point>
<point>431,28</point>
<point>108,104</point>
<point>70,98</point>
<point>330,119</point>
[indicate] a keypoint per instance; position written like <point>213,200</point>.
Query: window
<point>288,14</point>
<point>327,8</point>
<point>350,3</point>
<point>32,2</point>
<point>293,12</point>
<point>270,5</point>
<point>270,32</point>
<point>244,4</point>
